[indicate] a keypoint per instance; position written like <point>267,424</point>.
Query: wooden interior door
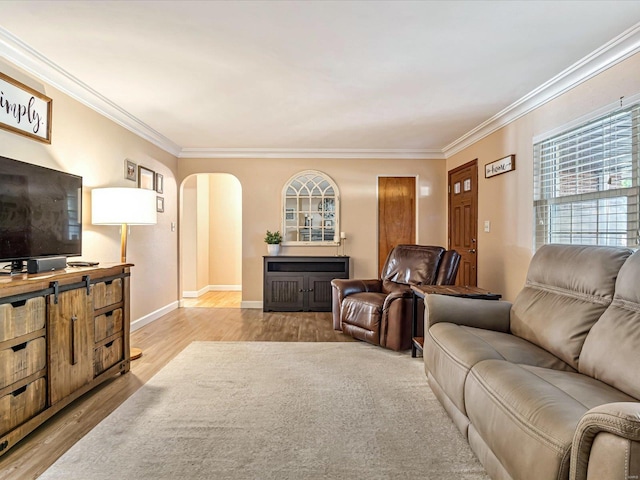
<point>463,220</point>
<point>396,214</point>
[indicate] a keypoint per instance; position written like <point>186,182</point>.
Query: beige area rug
<point>271,410</point>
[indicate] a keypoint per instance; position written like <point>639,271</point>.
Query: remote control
<point>82,264</point>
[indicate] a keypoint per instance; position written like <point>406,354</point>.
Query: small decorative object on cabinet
<point>293,284</point>
<point>273,239</point>
<point>61,335</point>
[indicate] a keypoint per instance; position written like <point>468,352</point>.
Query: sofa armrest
<point>342,288</point>
<point>606,445</point>
<point>471,312</point>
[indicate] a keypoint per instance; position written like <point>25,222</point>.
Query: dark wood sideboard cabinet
<point>61,334</point>
<point>293,284</point>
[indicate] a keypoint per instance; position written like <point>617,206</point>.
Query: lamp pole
<point>123,243</point>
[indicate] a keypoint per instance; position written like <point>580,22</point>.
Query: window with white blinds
<point>586,183</point>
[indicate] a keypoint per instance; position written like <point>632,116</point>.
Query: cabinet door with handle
<point>284,293</point>
<point>319,293</point>
<point>70,343</point>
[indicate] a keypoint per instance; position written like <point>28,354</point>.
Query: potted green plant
<point>273,239</point>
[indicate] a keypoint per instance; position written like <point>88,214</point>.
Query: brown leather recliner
<point>380,311</point>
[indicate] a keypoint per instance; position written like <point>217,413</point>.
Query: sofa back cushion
<point>610,352</point>
<point>411,265</point>
<point>568,288</point>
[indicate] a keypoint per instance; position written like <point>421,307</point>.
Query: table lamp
<point>124,207</point>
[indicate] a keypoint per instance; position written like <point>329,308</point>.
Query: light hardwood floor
<point>215,300</point>
<point>160,341</point>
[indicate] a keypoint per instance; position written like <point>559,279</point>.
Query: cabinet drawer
<point>24,403</point>
<point>22,360</point>
<point>107,356</point>
<point>105,294</point>
<point>20,318</point>
<point>107,324</point>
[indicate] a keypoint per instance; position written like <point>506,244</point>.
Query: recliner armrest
<point>618,454</point>
<point>471,312</point>
<point>395,295</point>
<point>346,287</point>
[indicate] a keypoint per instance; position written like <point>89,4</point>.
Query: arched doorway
<point>211,240</point>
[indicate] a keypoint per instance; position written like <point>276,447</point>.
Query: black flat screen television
<point>40,212</point>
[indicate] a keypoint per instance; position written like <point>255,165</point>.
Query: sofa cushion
<point>527,415</point>
<point>610,352</point>
<point>452,350</point>
<point>568,288</point>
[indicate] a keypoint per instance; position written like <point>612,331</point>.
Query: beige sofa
<point>547,387</point>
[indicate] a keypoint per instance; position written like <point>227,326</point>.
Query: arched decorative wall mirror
<point>310,209</point>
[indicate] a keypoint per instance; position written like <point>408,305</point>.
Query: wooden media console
<point>61,334</point>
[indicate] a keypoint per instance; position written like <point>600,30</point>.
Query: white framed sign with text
<point>503,165</point>
<point>24,110</point>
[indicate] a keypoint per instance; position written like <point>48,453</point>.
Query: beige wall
<point>189,242</point>
<point>202,232</point>
<point>86,143</point>
<point>225,231</point>
<point>507,200</point>
<point>194,236</point>
<point>262,180</point>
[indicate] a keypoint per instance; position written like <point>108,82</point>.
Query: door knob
<point>473,250</point>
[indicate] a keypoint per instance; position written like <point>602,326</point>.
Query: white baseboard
<point>251,304</point>
<point>225,288</point>
<point>195,293</point>
<point>147,319</point>
<point>211,288</point>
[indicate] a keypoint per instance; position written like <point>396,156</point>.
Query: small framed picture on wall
<point>160,204</point>
<point>146,178</point>
<point>159,183</point>
<point>130,171</point>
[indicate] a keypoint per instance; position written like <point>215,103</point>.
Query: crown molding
<point>25,57</point>
<point>33,62</point>
<point>411,154</point>
<point>620,48</point>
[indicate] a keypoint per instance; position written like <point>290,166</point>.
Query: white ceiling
<point>334,76</point>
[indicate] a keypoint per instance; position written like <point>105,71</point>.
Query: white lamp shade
<point>115,206</point>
